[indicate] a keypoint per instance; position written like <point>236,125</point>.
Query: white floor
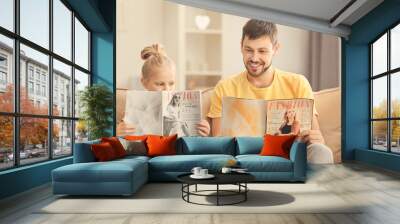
<point>379,190</point>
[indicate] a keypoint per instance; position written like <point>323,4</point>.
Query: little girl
<point>158,74</point>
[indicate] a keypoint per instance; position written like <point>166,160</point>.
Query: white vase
<point>202,21</point>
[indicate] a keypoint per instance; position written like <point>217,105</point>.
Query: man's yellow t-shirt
<point>285,85</point>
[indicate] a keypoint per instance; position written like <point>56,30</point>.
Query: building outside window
<point>3,61</point>
<point>34,79</point>
<point>55,97</point>
<point>385,95</point>
<point>43,90</point>
<point>37,75</point>
<point>3,78</point>
<point>44,78</point>
<point>30,72</point>
<point>3,81</point>
<point>30,87</point>
<point>38,89</point>
<point>3,72</point>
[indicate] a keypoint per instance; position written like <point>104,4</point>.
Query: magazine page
<point>181,112</point>
<point>289,116</point>
<point>143,111</point>
<point>243,117</point>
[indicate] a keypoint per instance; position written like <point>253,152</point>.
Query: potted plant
<point>96,103</point>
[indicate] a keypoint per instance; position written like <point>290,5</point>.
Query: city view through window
<point>385,82</point>
<point>39,113</point>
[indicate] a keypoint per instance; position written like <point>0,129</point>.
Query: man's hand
<point>203,128</point>
<point>312,136</point>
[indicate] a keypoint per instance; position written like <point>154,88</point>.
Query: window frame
<point>16,114</point>
<point>388,74</point>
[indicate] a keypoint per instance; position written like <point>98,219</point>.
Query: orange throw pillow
<point>277,145</point>
<point>136,137</point>
<point>116,145</point>
<point>161,145</point>
<point>103,152</point>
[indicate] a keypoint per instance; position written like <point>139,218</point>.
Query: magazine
<point>256,117</point>
<point>163,113</point>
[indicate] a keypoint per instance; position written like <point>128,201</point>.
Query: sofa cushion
<point>83,152</point>
<point>257,163</point>
<point>112,171</point>
<point>249,145</point>
<point>185,163</point>
<point>132,158</point>
<point>207,145</point>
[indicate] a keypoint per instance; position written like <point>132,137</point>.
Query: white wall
<point>232,62</point>
<point>330,53</point>
<point>143,22</point>
<point>139,24</point>
<point>292,56</point>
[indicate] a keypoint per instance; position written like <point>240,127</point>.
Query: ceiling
<point>319,9</point>
<point>326,16</point>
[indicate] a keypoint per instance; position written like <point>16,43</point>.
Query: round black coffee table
<point>238,179</point>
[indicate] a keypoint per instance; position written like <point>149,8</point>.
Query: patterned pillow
<point>134,147</point>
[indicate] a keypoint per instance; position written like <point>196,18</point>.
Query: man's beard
<point>262,72</point>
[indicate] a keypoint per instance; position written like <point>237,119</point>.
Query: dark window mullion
<point>84,70</point>
<point>43,50</point>
<point>50,53</point>
<point>371,89</point>
<point>385,119</point>
<point>385,73</point>
<point>89,53</point>
<point>48,116</point>
<point>73,82</point>
<point>7,33</point>
<point>389,101</point>
<point>16,83</point>
<point>50,81</point>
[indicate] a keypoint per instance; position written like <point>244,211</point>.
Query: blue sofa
<point>125,176</point>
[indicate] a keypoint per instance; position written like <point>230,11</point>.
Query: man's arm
<point>215,126</point>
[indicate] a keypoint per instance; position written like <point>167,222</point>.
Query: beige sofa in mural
<point>327,102</point>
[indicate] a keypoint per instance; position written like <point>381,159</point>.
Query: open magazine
<point>163,113</point>
<point>256,117</point>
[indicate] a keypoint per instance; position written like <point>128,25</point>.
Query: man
<point>261,80</point>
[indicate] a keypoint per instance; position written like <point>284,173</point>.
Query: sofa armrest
<point>83,152</point>
<point>298,155</point>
